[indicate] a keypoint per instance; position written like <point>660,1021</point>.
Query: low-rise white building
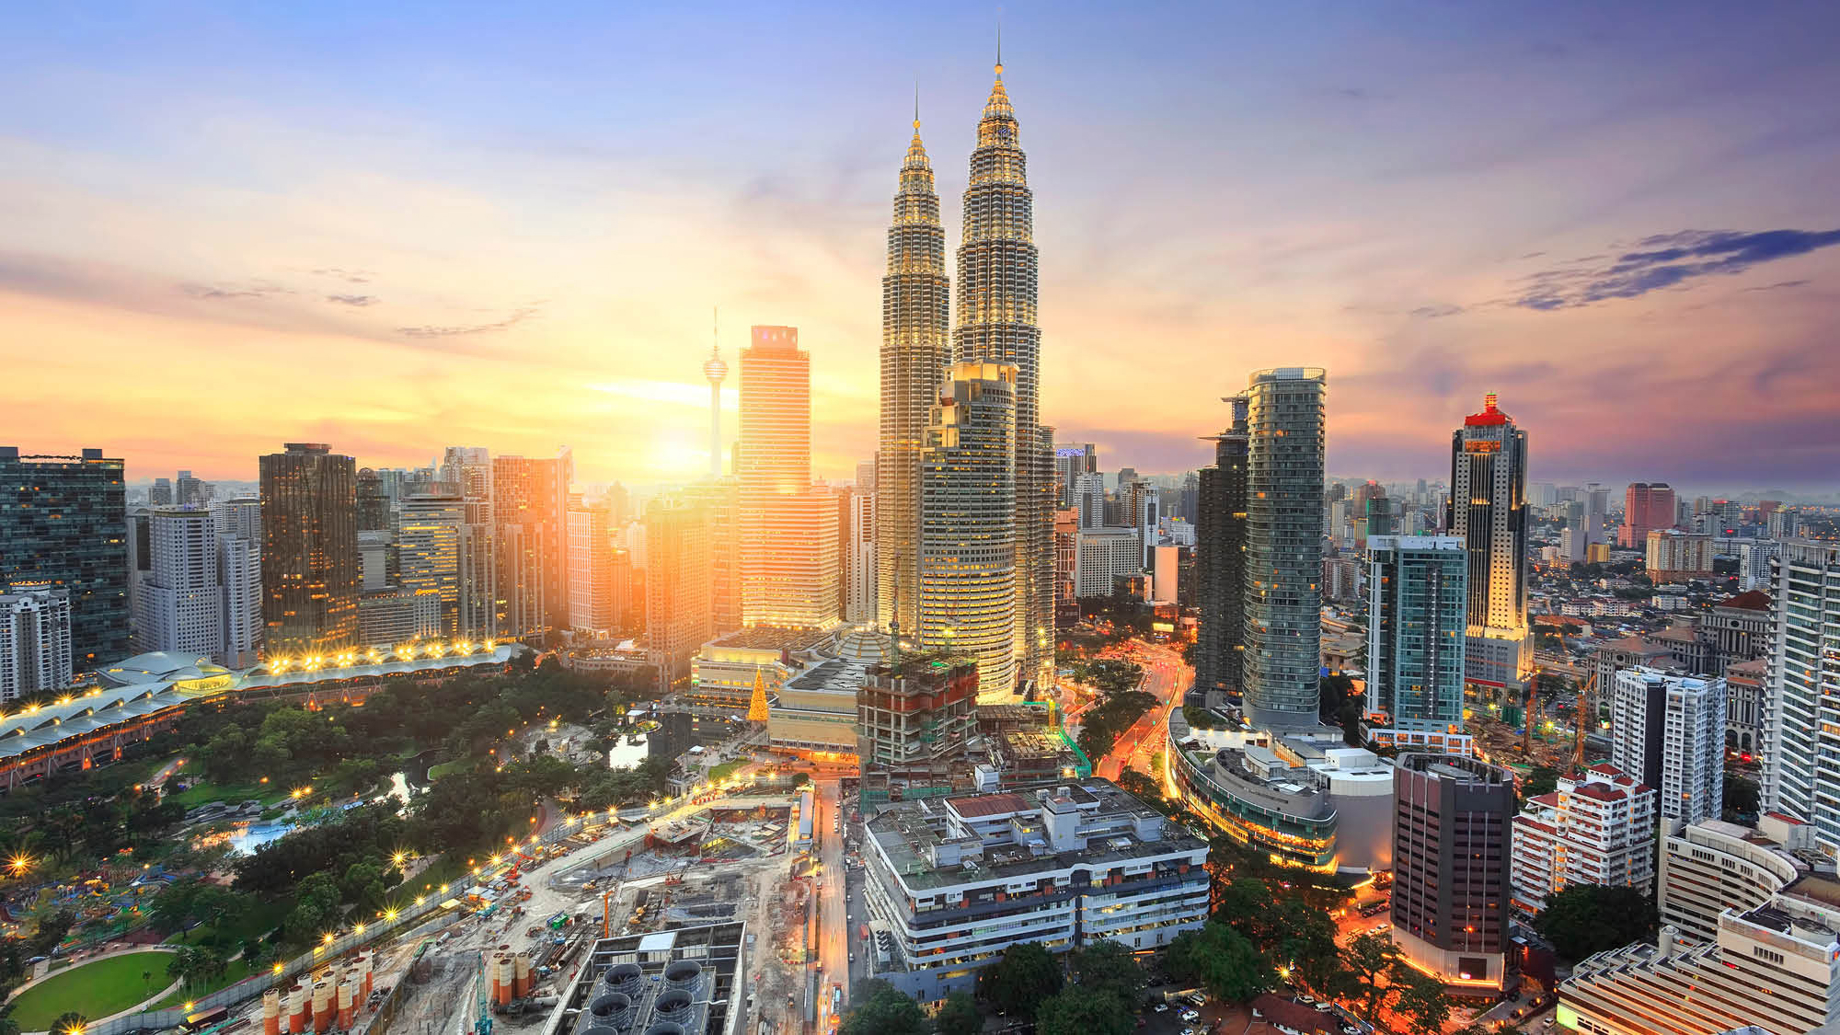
<point>958,880</point>
<point>1595,828</point>
<point>1712,866</point>
<point>1776,966</point>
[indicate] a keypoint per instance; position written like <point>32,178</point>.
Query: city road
<point>1165,678</point>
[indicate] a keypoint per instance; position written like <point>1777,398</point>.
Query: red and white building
<point>1598,827</point>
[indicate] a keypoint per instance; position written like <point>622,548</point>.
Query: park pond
<point>247,836</point>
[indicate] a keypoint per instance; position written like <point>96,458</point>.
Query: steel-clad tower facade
<point>967,526</point>
<point>997,274</point>
<point>1284,527</point>
<point>916,322</point>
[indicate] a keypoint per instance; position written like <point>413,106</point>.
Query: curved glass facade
<point>1305,842</point>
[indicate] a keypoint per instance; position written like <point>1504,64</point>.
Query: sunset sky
<point>394,227</point>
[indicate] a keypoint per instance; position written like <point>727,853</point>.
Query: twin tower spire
<point>949,577</point>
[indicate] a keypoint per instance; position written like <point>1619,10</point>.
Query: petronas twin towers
<point>964,478</point>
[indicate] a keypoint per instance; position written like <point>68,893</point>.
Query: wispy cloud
<point>353,300</point>
<point>340,273</point>
<point>226,290</point>
<point>1664,261</point>
<point>516,317</point>
<point>1433,312</point>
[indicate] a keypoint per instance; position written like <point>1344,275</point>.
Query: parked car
<point>1190,1015</point>
<point>1161,1008</point>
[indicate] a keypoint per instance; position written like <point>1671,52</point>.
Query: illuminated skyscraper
<point>677,616</point>
<point>1417,593</point>
<point>63,525</point>
<point>1488,510</point>
<point>967,525</point>
<point>1284,528</point>
<point>788,526</point>
<point>720,500</point>
<point>309,551</point>
<point>468,470</point>
<point>430,530</point>
<point>997,272</point>
<point>915,325</point>
<point>530,503</point>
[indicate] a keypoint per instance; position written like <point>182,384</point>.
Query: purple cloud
<point>1666,260</point>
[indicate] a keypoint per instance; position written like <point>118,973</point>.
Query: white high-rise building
<point>239,517</point>
<point>1596,514</point>
<point>180,600</point>
<point>1103,556</point>
<point>1149,525</point>
<point>598,580</point>
<point>239,578</point>
<point>469,469</point>
<point>788,525</point>
<point>1669,732</point>
<point>1597,827</point>
<point>34,642</point>
<point>1089,499</point>
<point>967,524</point>
<point>1801,709</point>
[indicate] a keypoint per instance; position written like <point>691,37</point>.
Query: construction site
<point>1563,736</point>
<point>515,951</point>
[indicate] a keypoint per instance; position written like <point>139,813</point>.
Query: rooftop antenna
<point>999,41</point>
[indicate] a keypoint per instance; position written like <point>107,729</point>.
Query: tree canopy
<point>1078,1010</point>
<point>885,1011</point>
<point>1221,960</point>
<point>1017,983</point>
<point>958,1015</point>
<point>1589,918</point>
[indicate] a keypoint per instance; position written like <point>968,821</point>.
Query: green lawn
<point>458,765</point>
<point>202,791</point>
<point>448,869</point>
<point>726,769</point>
<point>94,989</point>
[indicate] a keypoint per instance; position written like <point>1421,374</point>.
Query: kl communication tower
<point>716,371</point>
